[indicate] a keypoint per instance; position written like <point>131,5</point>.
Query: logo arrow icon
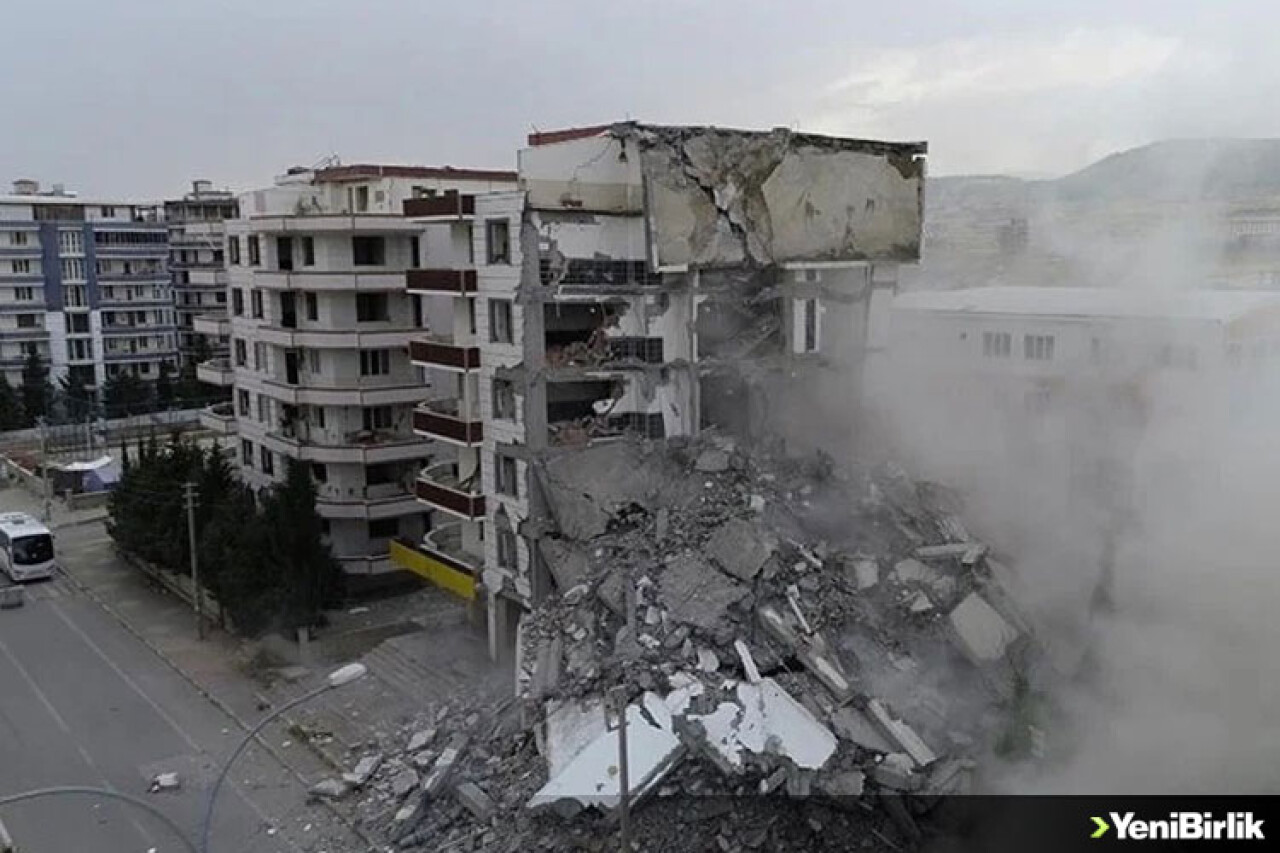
<point>1102,825</point>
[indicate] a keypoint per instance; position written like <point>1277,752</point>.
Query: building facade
<point>622,290</point>
<point>319,328</point>
<point>198,267</point>
<point>86,285</point>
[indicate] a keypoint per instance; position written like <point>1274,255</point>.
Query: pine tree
<point>310,576</point>
<point>11,416</point>
<point>37,391</point>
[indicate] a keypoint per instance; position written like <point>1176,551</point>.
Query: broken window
<point>647,350</point>
<point>368,251</point>
<point>497,238</point>
<point>504,399</point>
<point>504,475</point>
<point>997,344</point>
<point>500,321</point>
<point>1037,347</point>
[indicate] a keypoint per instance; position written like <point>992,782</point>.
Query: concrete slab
<point>739,548</point>
<point>983,633</point>
<point>571,727</point>
<point>854,726</point>
<point>696,594</point>
<point>901,733</point>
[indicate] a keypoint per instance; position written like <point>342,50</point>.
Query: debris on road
<point>164,782</point>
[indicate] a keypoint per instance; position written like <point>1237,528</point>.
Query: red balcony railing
<point>441,281</point>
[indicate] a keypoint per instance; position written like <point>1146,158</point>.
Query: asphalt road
<point>83,702</point>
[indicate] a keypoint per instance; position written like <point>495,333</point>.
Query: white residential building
<point>85,284</point>
<point>198,266</point>
<point>320,322</point>
<point>611,296</point>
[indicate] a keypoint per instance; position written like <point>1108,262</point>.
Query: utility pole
<point>44,467</point>
<point>624,786</point>
<point>197,594</point>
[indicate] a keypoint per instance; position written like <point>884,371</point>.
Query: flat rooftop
<point>1091,302</point>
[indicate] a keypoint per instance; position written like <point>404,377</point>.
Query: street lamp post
<point>336,679</point>
<point>43,793</point>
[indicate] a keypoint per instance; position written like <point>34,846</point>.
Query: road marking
<point>124,676</point>
<point>35,688</point>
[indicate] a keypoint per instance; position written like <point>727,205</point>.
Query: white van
<point>26,547</point>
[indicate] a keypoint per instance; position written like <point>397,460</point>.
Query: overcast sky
<point>136,97</point>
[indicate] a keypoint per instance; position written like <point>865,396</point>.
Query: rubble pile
<point>808,642</point>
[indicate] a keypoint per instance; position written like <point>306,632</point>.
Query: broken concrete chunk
<point>364,769</point>
<point>475,801</point>
<point>895,772</point>
<point>748,663</point>
<point>914,571</point>
<point>443,768</point>
<point>901,733</point>
<point>591,779</point>
<point>813,653</point>
<point>708,661</point>
<point>571,726</point>
<point>694,593</point>
<point>793,598</point>
<point>567,562</point>
<point>849,783</point>
<point>763,721</point>
<point>712,461</point>
<point>420,740</point>
<point>612,592</point>
<point>866,573</point>
<point>739,548</point>
<point>331,788</point>
<point>920,603</point>
<point>944,552</point>
<point>546,667</point>
<point>404,782</point>
<point>983,633</point>
<point>854,726</point>
<point>164,782</point>
<point>973,555</point>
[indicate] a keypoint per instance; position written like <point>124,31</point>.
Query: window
<point>144,369</point>
<point>18,238</point>
<point>242,353</point>
<point>255,251</point>
<point>26,321</point>
<point>255,298</point>
<point>377,417</point>
<point>415,253</point>
<point>500,321</point>
<point>313,360</point>
<point>319,472</point>
<point>24,294</point>
<point>22,266</point>
<point>220,298</point>
<point>362,199</point>
<point>259,355</point>
<point>997,344</point>
<point>308,251</point>
<point>242,402</point>
<point>507,557</point>
<point>107,211</point>
<point>233,249</point>
<point>74,296</point>
<point>375,362</point>
<point>1037,347</point>
<point>504,399</point>
<point>71,242</point>
<point>497,238</point>
<point>77,323</point>
<point>246,452</point>
<point>237,302</point>
<point>317,415</point>
<point>263,409</point>
<point>313,306</point>
<point>810,325</point>
<point>73,269</point>
<point>368,251</point>
<point>371,307</point>
<point>505,475</point>
<point>268,460</point>
<point>384,528</point>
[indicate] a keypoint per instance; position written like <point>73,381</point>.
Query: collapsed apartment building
<point>641,280</point>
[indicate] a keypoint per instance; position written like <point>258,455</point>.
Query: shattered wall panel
<point>720,198</point>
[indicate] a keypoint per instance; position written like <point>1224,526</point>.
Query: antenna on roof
<point>327,163</point>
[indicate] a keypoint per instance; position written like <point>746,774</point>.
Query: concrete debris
<point>739,548</point>
<point>404,782</point>
<point>164,782</point>
<point>770,601</point>
<point>332,789</point>
<point>983,633</point>
<point>902,734</point>
<point>363,770</point>
<point>475,800</point>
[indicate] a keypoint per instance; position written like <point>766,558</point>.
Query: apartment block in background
<point>198,267</point>
<point>320,324</point>
<point>85,284</point>
<point>642,281</point>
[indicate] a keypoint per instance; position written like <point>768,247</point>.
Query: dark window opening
<point>371,308</point>
<point>497,238</point>
<point>368,251</point>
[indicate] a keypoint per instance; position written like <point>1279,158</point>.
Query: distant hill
<point>1175,170</point>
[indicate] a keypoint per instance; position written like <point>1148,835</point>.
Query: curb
<point>373,844</point>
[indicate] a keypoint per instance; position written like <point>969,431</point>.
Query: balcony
<point>219,418</point>
<point>337,281</point>
<point>364,336</point>
<point>444,353</point>
<point>216,371</point>
<point>441,560</point>
<point>451,282</point>
<point>212,324</point>
<point>363,448</point>
<point>447,206</point>
<point>438,486</point>
<point>441,419</point>
<point>386,500</point>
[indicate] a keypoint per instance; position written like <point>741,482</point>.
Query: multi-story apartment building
<point>640,280</point>
<point>85,284</point>
<point>320,322</point>
<point>198,266</point>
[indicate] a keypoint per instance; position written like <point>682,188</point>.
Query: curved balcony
<point>360,448</point>
<point>219,418</point>
<point>213,324</point>
<point>388,500</point>
<point>438,486</point>
<point>442,419</point>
